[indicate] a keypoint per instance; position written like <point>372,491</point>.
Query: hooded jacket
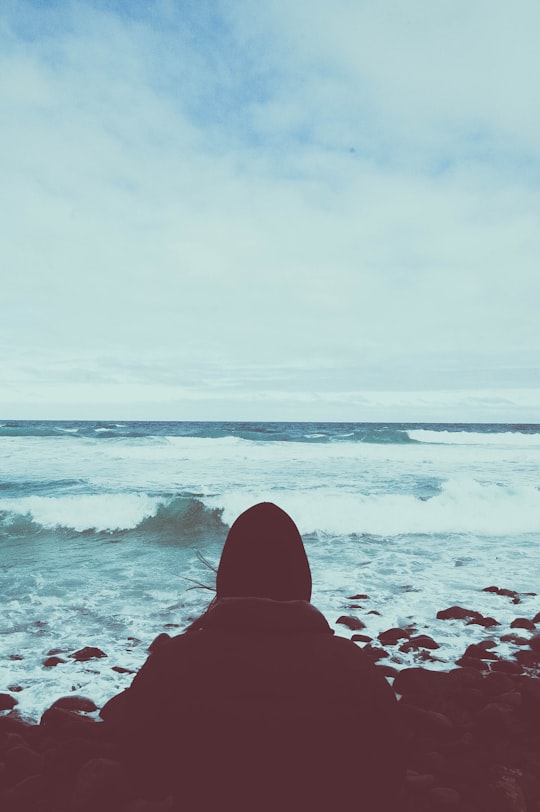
<point>259,706</point>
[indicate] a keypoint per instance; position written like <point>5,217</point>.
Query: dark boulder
<point>7,702</point>
<point>87,653</point>
<point>457,613</point>
<point>74,702</point>
<point>523,623</point>
<point>51,662</point>
<point>352,623</point>
<point>391,636</point>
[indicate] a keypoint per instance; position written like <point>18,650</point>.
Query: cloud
<point>233,192</point>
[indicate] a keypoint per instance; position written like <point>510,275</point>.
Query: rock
<point>87,653</point>
<point>67,723</point>
<point>496,719</point>
<point>374,612</point>
<point>387,670</point>
<point>527,659</point>
<point>426,720</point>
<point>514,638</point>
<point>101,784</point>
<point>479,651</point>
<point>359,597</point>
<point>7,702</point>
<point>504,793</point>
<point>50,662</point>
<point>457,613</point>
<point>473,662</point>
<point>420,681</point>
<point>361,638</point>
<point>75,703</point>
<point>418,642</point>
<point>534,642</point>
<point>121,670</point>
<point>28,794</point>
<point>418,782</point>
<point>459,678</point>
<point>487,622</point>
<point>523,623</point>
<point>375,652</point>
<point>495,684</point>
<point>391,636</point>
<point>352,623</point>
<point>159,641</point>
<point>23,761</point>
<point>507,667</point>
<point>443,798</point>
<point>536,618</point>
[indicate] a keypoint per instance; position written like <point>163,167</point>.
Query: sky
<point>238,210</point>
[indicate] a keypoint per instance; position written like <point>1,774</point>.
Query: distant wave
<point>263,433</point>
<point>475,437</point>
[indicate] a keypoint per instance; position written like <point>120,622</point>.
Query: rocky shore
<point>472,732</point>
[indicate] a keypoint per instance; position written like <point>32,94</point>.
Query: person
<point>258,706</point>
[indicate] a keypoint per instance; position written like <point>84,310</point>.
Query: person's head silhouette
<point>264,557</point>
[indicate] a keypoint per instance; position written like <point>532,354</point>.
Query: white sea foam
<point>505,438</point>
<point>85,512</point>
<point>462,506</point>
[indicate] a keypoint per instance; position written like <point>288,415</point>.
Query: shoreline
<point>472,729</point>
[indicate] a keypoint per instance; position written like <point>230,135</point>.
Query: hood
<point>264,557</point>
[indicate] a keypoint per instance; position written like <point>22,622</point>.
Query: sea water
<point>109,532</point>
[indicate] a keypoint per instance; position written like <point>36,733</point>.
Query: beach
<point>110,533</point>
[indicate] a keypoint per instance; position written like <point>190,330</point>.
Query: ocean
<point>109,533</point>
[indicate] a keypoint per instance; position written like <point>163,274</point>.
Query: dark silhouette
<point>258,707</point>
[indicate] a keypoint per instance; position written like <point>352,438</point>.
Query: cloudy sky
<point>312,210</point>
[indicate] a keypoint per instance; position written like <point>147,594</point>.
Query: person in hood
<point>258,707</point>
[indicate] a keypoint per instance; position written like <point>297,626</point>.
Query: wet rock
<point>51,662</point>
<point>374,612</point>
<point>473,662</point>
<point>387,670</point>
<point>420,681</point>
<point>352,623</point>
<point>375,652</point>
<point>527,659</point>
<point>480,651</point>
<point>523,623</point>
<point>16,657</point>
<point>486,622</point>
<point>88,653</point>
<point>391,636</point>
<point>536,618</point>
<point>361,638</point>
<point>496,684</point>
<point>159,641</point>
<point>514,638</point>
<point>457,613</point>
<point>22,761</point>
<point>7,702</point>
<point>74,702</point>
<point>496,719</point>
<point>443,798</point>
<point>507,667</point>
<point>418,642</point>
<point>534,642</point>
<point>504,793</point>
<point>100,784</point>
<point>418,782</point>
<point>360,597</point>
<point>121,670</point>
